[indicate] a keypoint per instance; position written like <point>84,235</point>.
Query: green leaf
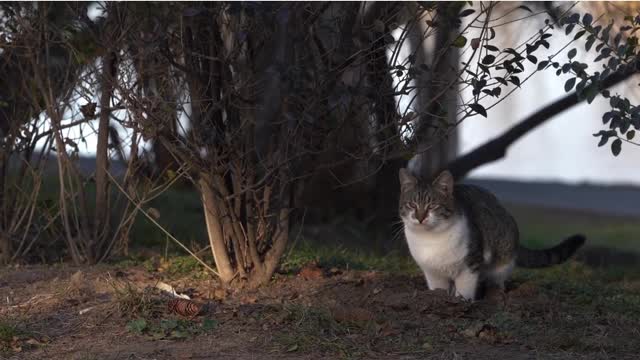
<point>572,53</point>
<point>488,60</point>
<point>631,134</point>
<point>569,84</point>
<point>137,325</point>
<point>179,334</point>
<point>479,109</point>
<point>168,324</point>
<point>209,324</point>
<point>460,42</point>
<point>592,91</point>
<point>616,147</point>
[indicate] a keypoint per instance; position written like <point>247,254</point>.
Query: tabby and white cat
<point>461,236</point>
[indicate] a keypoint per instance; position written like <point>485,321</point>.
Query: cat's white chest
<point>440,251</point>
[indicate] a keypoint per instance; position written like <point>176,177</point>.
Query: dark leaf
<point>579,34</point>
<point>496,91</point>
<point>590,40</point>
<point>491,48</point>
<point>542,65</point>
<point>512,52</point>
<point>569,84</point>
<point>515,80</point>
<point>603,141</point>
<point>616,147</point>
<point>466,12</point>
<point>479,109</point>
<point>532,58</point>
<point>574,18</point>
<point>492,34</point>
<point>501,80</point>
<point>488,59</point>
<point>630,134</point>
<point>572,53</point>
<point>524,8</point>
<point>389,39</point>
<point>587,19</point>
<point>606,93</point>
<point>569,29</point>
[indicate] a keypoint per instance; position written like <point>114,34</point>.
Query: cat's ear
<point>407,181</point>
<point>444,183</point>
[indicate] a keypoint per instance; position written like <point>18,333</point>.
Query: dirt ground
<point>112,312</point>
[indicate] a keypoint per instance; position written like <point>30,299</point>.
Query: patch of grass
<point>170,328</point>
<point>181,265</point>
<point>316,331</point>
<point>8,332</point>
<point>133,302</point>
<point>541,227</point>
<point>347,258</point>
<point>11,337</point>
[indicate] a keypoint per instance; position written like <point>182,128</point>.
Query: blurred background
<point>132,129</point>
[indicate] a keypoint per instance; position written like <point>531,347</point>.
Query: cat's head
<point>426,205</point>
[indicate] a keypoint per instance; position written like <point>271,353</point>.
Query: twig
<point>138,206</point>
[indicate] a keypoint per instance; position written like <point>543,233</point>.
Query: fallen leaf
<point>311,272</point>
<point>351,314</point>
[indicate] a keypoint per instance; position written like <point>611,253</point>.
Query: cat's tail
<point>530,258</point>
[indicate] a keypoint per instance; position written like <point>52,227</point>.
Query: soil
<point>66,312</point>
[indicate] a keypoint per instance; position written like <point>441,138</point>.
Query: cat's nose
<point>421,216</point>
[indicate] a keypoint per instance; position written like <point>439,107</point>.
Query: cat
<point>462,238</point>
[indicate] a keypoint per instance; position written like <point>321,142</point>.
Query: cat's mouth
<point>426,224</point>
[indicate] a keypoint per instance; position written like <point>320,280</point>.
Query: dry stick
<point>138,206</point>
